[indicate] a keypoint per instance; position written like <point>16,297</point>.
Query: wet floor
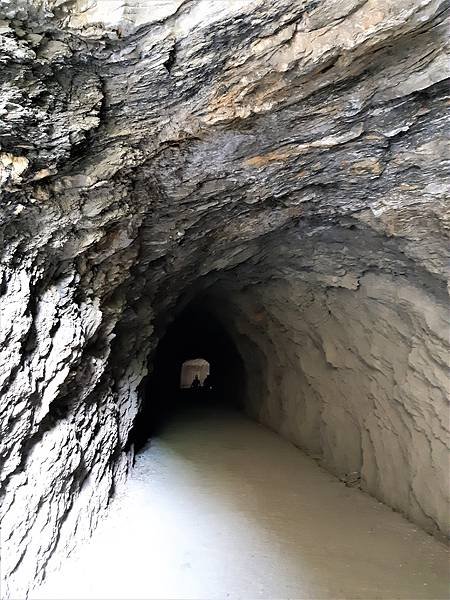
<point>218,507</point>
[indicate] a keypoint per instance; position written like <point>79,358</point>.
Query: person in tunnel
<point>208,383</point>
<point>195,385</point>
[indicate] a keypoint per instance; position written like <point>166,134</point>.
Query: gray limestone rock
<point>285,159</point>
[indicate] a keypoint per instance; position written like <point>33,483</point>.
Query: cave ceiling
<point>188,138</point>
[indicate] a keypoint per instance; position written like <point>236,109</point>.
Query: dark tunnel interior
<point>195,333</point>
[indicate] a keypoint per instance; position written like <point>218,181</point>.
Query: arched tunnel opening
<point>195,373</point>
<point>195,332</point>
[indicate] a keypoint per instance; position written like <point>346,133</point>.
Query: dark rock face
<point>283,160</point>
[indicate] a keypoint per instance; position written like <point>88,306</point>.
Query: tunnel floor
<point>220,507</point>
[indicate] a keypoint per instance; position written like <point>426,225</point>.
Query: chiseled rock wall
<point>153,150</point>
<point>357,378</point>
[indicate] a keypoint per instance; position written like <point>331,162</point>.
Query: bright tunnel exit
<point>192,369</point>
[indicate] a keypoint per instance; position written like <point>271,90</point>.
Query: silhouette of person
<point>195,383</point>
<point>207,384</point>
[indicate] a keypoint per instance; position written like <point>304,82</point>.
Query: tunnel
<point>262,186</point>
<point>194,334</point>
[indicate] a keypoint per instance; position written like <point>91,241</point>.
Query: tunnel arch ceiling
<point>282,159</point>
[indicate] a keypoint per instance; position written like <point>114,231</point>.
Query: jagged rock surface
<point>284,159</point>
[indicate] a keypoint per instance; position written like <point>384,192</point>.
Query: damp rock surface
<point>283,160</point>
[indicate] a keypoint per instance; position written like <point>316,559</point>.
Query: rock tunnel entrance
<point>261,184</point>
<point>194,373</point>
<point>195,332</point>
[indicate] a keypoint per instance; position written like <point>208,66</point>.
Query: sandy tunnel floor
<point>220,507</point>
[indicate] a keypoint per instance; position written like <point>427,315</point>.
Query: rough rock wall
<point>357,377</point>
<point>152,150</point>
